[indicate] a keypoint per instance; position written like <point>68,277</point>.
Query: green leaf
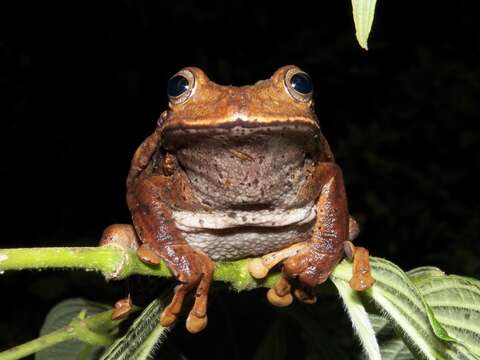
<point>143,335</point>
<point>392,346</point>
<point>455,305</point>
<point>151,343</point>
<point>424,272</point>
<point>61,315</point>
<point>360,320</point>
<point>414,317</point>
<point>363,14</point>
<point>395,349</point>
<point>380,324</point>
<point>403,303</point>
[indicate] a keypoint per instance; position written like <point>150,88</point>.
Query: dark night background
<point>84,82</point>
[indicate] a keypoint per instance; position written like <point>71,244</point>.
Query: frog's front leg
<point>157,230</point>
<point>312,262</point>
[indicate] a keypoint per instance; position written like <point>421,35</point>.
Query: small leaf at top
<point>363,13</point>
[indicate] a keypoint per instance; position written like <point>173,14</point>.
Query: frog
<point>233,172</point>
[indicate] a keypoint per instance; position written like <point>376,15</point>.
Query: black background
<point>84,82</point>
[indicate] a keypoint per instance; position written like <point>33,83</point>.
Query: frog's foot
<point>122,308</point>
<point>120,234</point>
<point>280,294</point>
<point>198,274</point>
<point>310,266</point>
<point>299,261</point>
<point>361,273</point>
<point>259,267</point>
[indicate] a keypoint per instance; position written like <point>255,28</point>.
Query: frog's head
<point>243,146</point>
<point>200,108</point>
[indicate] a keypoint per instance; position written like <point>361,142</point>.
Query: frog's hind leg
<point>123,235</point>
<point>120,234</point>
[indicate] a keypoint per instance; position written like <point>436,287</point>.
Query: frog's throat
<point>189,221</point>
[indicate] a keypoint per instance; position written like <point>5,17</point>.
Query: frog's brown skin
<point>234,172</point>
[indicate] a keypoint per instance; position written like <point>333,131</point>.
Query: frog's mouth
<point>305,134</point>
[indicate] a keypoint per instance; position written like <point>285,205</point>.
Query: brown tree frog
<point>236,172</point>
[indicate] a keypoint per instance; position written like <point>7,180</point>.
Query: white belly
<point>238,234</point>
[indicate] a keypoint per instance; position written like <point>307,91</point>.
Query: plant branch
<point>115,262</point>
<point>81,328</point>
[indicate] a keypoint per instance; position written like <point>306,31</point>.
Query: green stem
<point>83,329</point>
<point>115,262</point>
<point>38,344</point>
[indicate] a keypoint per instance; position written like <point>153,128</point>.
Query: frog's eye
<point>299,84</point>
<point>180,86</point>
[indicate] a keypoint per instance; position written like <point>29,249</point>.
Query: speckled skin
<point>234,172</point>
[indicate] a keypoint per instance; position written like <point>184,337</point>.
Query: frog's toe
<point>305,295</point>
<point>259,267</point>
<point>195,323</point>
<point>280,294</point>
<point>197,319</point>
<point>280,301</point>
<point>167,318</point>
<point>170,313</point>
<point>122,308</point>
<point>361,273</point>
<point>200,277</point>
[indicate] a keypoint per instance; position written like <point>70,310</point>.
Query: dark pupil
<point>177,85</point>
<point>302,83</point>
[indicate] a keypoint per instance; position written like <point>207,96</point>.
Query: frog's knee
<point>353,229</point>
<point>121,234</point>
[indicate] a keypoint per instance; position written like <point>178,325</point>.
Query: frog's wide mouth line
<point>212,124</point>
<point>306,132</point>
